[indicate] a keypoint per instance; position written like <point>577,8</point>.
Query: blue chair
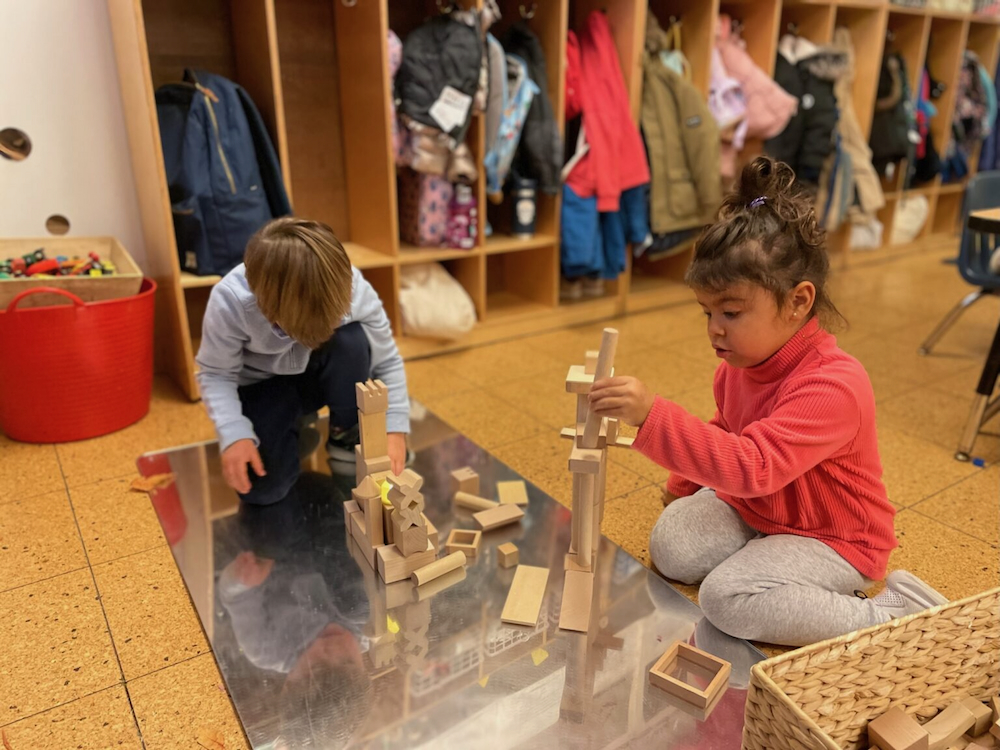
<point>983,191</point>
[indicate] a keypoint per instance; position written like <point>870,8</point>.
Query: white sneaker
<point>905,594</point>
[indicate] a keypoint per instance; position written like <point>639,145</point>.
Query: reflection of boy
<point>287,622</point>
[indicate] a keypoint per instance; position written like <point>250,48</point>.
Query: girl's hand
<point>397,452</point>
<point>625,398</point>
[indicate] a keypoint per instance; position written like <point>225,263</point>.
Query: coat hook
<point>349,3</point>
<point>793,28</point>
<point>674,20</point>
<point>890,35</point>
<point>444,7</point>
<point>527,14</point>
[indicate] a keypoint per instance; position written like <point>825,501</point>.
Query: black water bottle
<point>523,222</point>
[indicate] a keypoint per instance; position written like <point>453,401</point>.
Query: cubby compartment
<point>470,272</point>
<point>813,22</point>
<point>521,283</point>
<point>944,58</point>
<point>385,281</point>
<point>947,214</point>
<point>866,34</point>
<point>697,26</point>
<point>758,23</point>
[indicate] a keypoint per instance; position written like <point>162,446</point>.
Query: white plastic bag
<point>433,303</point>
<point>911,215</point>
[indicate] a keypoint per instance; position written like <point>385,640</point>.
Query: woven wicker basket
<point>824,695</point>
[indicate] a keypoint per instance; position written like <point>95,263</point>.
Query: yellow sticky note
<point>539,655</point>
<point>386,486</point>
<point>394,626</point>
<point>482,682</point>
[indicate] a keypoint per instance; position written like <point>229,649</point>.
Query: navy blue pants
<point>276,405</point>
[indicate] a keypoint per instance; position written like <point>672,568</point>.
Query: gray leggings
<point>782,589</point>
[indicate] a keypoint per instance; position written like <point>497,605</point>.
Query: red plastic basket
<point>72,372</point>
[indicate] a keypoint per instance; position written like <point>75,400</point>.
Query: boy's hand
<point>252,570</point>
<point>234,464</point>
<point>625,398</point>
<point>397,452</point>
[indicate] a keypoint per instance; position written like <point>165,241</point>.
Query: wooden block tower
<point>394,539</point>
<point>588,462</point>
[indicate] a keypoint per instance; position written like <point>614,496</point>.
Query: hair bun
<point>763,178</point>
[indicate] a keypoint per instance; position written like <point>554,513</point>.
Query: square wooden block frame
<point>659,674</point>
<point>465,540</point>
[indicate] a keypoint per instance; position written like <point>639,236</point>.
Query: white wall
<point>60,86</point>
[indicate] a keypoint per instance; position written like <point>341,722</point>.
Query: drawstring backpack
<point>519,91</point>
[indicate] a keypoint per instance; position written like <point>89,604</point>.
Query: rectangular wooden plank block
<point>585,460</point>
<point>515,493</point>
<point>374,440</point>
<point>896,730</point>
<point>350,508</point>
<point>432,532</point>
<point>525,596</point>
<point>373,521</point>
<point>578,593</point>
<point>494,518</point>
<point>361,537</point>
<point>392,566</point>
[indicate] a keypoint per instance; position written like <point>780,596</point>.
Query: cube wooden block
<point>512,493</point>
<point>896,730</point>
<point>508,555</point>
<point>585,460</point>
<point>659,674</point>
<point>464,540</point>
<point>411,540</point>
<point>465,480</point>
<point>372,396</point>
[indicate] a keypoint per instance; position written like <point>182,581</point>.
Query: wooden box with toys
<point>929,680</point>
<point>93,268</point>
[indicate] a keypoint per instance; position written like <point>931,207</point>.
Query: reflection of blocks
<point>372,396</point>
<point>465,480</point>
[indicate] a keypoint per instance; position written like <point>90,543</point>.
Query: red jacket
<point>792,448</point>
<point>617,159</point>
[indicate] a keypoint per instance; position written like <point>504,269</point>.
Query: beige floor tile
<point>951,561</point>
<point>102,720</point>
<point>115,521</point>
<point>172,421</point>
<point>972,506</point>
<point>485,419</point>
<point>428,379</point>
<point>639,464</point>
<point>915,468</point>
<point>28,470</point>
<point>900,355</point>
<point>38,539</point>
<point>939,418</point>
<point>544,461</point>
<point>542,396</point>
<point>55,645</point>
<point>151,617</point>
<point>485,366</point>
<point>665,372</point>
<point>629,520</point>
<point>569,345</point>
<point>176,704</point>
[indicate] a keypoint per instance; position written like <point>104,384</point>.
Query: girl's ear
<point>801,300</point>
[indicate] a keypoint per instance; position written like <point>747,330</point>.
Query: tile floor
<point>102,648</point>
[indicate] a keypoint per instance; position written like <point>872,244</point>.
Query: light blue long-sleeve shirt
<point>240,347</point>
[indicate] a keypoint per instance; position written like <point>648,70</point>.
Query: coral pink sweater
<point>792,448</point>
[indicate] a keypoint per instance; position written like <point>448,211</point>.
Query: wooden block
<point>361,538</point>
<point>995,705</point>
<point>582,408</point>
<point>438,568</point>
<point>366,488</point>
<point>585,460</point>
<point>373,520</point>
<point>494,518</point>
<point>350,507</point>
<point>464,540</point>
<point>404,519</point>
<point>387,526</point>
<point>578,594</point>
<point>411,541</point>
<point>590,358</point>
<point>610,430</point>
<point>374,440</point>
<point>465,480</point>
<point>577,435</point>
<point>508,555</point>
<point>572,562</point>
<point>525,596</point>
<point>995,729</point>
<point>579,381</point>
<point>896,730</point>
<point>983,714</point>
<point>370,466</point>
<point>512,493</point>
<point>659,674</point>
<point>410,478</point>
<point>440,584</point>
<point>473,502</point>
<point>406,498</point>
<point>609,343</point>
<point>948,726</point>
<point>393,566</point>
<point>372,396</point>
<point>432,532</point>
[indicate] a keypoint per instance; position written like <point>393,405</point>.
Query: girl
<point>781,513</point>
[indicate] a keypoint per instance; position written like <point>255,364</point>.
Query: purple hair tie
<point>757,202</point>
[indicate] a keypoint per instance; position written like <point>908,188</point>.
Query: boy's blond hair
<point>301,276</point>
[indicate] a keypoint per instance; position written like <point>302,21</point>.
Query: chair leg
<point>972,425</point>
<point>949,320</point>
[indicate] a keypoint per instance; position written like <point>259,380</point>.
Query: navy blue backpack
<point>222,171</point>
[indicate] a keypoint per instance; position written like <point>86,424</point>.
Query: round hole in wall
<point>57,224</point>
<point>14,144</point>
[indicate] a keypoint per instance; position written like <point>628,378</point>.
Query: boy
<point>288,331</point>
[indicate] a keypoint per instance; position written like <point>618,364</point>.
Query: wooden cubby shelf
<point>332,133</point>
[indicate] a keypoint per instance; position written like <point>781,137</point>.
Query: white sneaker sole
<point>914,589</point>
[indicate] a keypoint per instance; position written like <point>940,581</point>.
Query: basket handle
<point>44,290</point>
